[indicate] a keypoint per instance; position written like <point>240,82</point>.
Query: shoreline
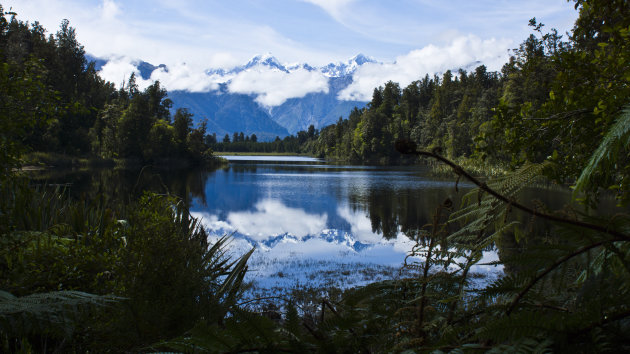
<point>236,153</point>
<point>37,161</point>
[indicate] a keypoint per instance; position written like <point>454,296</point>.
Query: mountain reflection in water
<point>312,222</point>
<point>320,224</point>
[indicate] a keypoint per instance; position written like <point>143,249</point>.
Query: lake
<point>314,224</point>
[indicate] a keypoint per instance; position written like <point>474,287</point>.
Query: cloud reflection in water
<point>302,245</point>
<point>272,218</point>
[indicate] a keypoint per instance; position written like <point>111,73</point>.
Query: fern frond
<point>45,311</point>
<point>617,137</point>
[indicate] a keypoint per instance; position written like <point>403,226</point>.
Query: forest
<point>64,107</point>
<point>100,275</point>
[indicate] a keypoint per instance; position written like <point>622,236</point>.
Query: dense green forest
<point>549,101</point>
<point>98,275</point>
<point>57,103</point>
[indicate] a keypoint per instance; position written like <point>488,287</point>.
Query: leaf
<point>607,152</point>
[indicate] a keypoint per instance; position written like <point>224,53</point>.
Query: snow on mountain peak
<point>346,68</point>
<point>265,60</point>
<point>361,59</point>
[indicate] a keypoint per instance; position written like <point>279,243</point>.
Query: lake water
<point>317,224</point>
<point>314,224</point>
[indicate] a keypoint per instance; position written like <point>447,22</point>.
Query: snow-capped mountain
<point>262,60</point>
<point>264,96</point>
<point>348,68</point>
<point>266,60</point>
<point>228,111</point>
<point>338,69</point>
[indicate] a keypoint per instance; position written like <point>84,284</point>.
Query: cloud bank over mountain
<point>215,33</point>
<point>273,83</point>
<point>178,77</point>
<point>273,87</point>
<point>462,52</point>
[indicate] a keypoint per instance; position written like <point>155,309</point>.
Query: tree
<point>134,127</point>
<point>160,141</point>
<point>159,105</point>
<point>560,95</point>
<point>26,103</point>
<point>226,138</point>
<point>104,133</point>
<point>196,144</point>
<point>182,122</point>
<point>211,139</point>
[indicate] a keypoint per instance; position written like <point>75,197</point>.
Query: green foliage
<point>434,112</point>
<point>152,253</point>
<point>566,285</point>
<point>605,158</point>
<point>300,144</point>
<point>26,103</point>
<point>560,97</point>
<point>56,102</point>
<point>56,313</point>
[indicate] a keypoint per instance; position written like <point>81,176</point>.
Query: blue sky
<point>427,35</point>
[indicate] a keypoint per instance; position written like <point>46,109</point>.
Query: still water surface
<point>313,223</point>
<point>319,224</point>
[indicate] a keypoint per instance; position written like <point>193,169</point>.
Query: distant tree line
<point>301,143</point>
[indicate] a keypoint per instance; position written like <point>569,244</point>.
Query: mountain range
<point>227,112</point>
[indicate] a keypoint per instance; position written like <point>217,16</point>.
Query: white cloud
<point>273,87</point>
<point>428,60</point>
<point>177,77</point>
<point>118,70</point>
<point>185,77</point>
<point>198,32</point>
<point>110,9</point>
<point>274,218</point>
<point>212,222</point>
<point>360,225</point>
<point>332,7</point>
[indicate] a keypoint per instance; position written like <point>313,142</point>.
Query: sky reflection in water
<point>308,218</point>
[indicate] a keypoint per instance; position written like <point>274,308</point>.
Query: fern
<point>607,153</point>
<point>484,217</point>
<point>56,311</point>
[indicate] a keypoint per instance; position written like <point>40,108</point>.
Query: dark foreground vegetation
<point>97,275</point>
